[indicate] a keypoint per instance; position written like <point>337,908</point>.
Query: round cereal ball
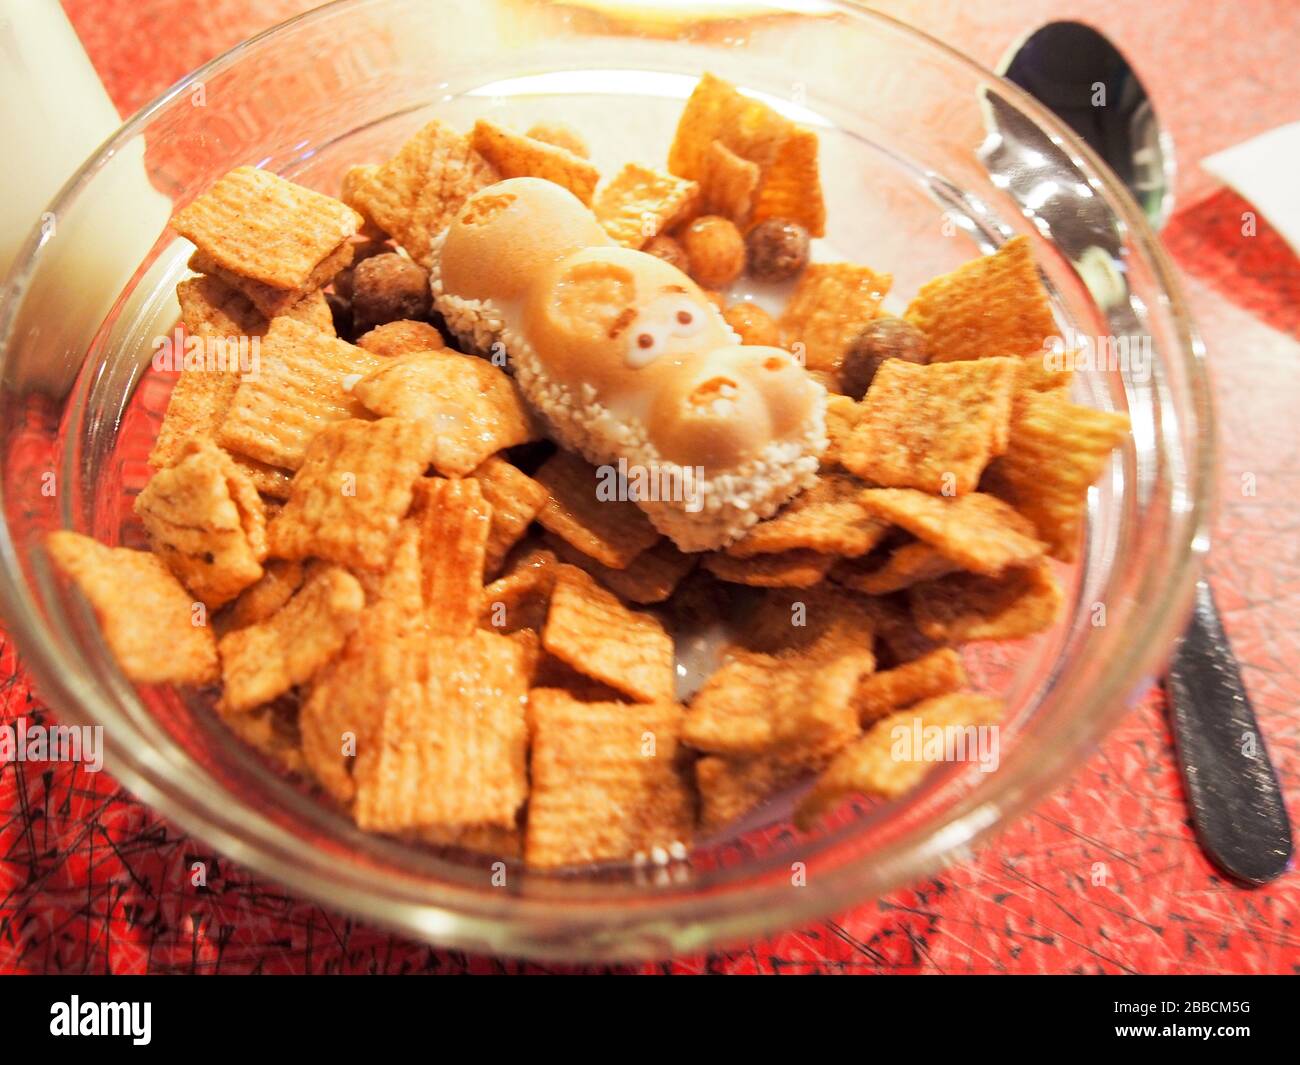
<point>754,324</point>
<point>388,288</point>
<point>560,135</point>
<point>340,314</point>
<point>776,250</point>
<point>665,248</point>
<point>883,338</point>
<point>401,338</point>
<point>716,250</point>
<point>362,249</point>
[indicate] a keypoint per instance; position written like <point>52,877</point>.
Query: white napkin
<point>1264,171</point>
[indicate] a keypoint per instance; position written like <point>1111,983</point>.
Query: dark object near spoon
<point>1237,806</point>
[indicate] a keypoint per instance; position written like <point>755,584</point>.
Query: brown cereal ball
<point>777,250</point>
<point>340,314</point>
<point>388,288</point>
<point>884,338</point>
<point>363,249</point>
<point>561,136</point>
<point>665,248</point>
<point>716,250</point>
<point>754,324</point>
<point>400,338</point>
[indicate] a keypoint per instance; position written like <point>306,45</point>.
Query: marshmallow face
<point>625,329</point>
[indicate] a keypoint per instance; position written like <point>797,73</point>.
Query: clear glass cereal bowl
<point>929,161</point>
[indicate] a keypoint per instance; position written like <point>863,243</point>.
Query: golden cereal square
<point>350,494</point>
<point>756,703</point>
<point>977,531</point>
<point>607,782</point>
<point>515,499</point>
<point>990,306</point>
<point>640,203</point>
<point>651,577</point>
<point>452,745</point>
<point>415,195</point>
<point>612,531</point>
<point>799,568</point>
<point>261,227</point>
<point>1056,450</point>
<point>590,630</point>
<point>514,155</point>
<point>828,518</point>
<point>149,621</point>
<point>932,427</point>
<point>205,519</point>
<point>455,526</point>
<point>473,407</point>
<point>937,673</point>
<point>878,765</point>
<point>963,607</point>
<point>300,387</point>
<point>264,660</point>
<point>830,305</point>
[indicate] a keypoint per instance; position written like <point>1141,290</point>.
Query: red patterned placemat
<point>1102,877</point>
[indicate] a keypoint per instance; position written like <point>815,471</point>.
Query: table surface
<point>93,881</point>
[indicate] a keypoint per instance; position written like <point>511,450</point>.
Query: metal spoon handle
<point>1237,806</point>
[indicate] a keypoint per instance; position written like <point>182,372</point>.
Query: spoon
<point>1237,807</point>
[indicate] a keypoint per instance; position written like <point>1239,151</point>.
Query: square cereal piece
<point>651,577</point>
<point>515,499</point>
<point>716,111</point>
<point>784,569</point>
<point>902,567</point>
<point>474,408</point>
<point>455,522</point>
<point>728,184</point>
<point>937,673</point>
<point>349,496</point>
<point>344,707</point>
<point>415,195</point>
<point>831,304</point>
<point>978,532</point>
<point>843,416</point>
<point>452,744</point>
<point>932,427</point>
<point>211,308</point>
<point>821,623</point>
<point>207,522</point>
<point>827,518</point>
<point>1056,450</point>
<point>514,155</point>
<point>607,782</point>
<point>640,203</point>
<point>264,228</point>
<point>152,626</point>
<point>966,606</point>
<point>300,387</point>
<point>280,579</point>
<point>270,481</point>
<point>756,702</point>
<point>730,788</point>
<point>196,408</point>
<point>990,306</point>
<point>875,766</point>
<point>273,302</point>
<point>263,661</point>
<point>520,599</point>
<point>612,531</point>
<point>791,187</point>
<point>588,628</point>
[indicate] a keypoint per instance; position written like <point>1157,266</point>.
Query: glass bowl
<point>929,160</point>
